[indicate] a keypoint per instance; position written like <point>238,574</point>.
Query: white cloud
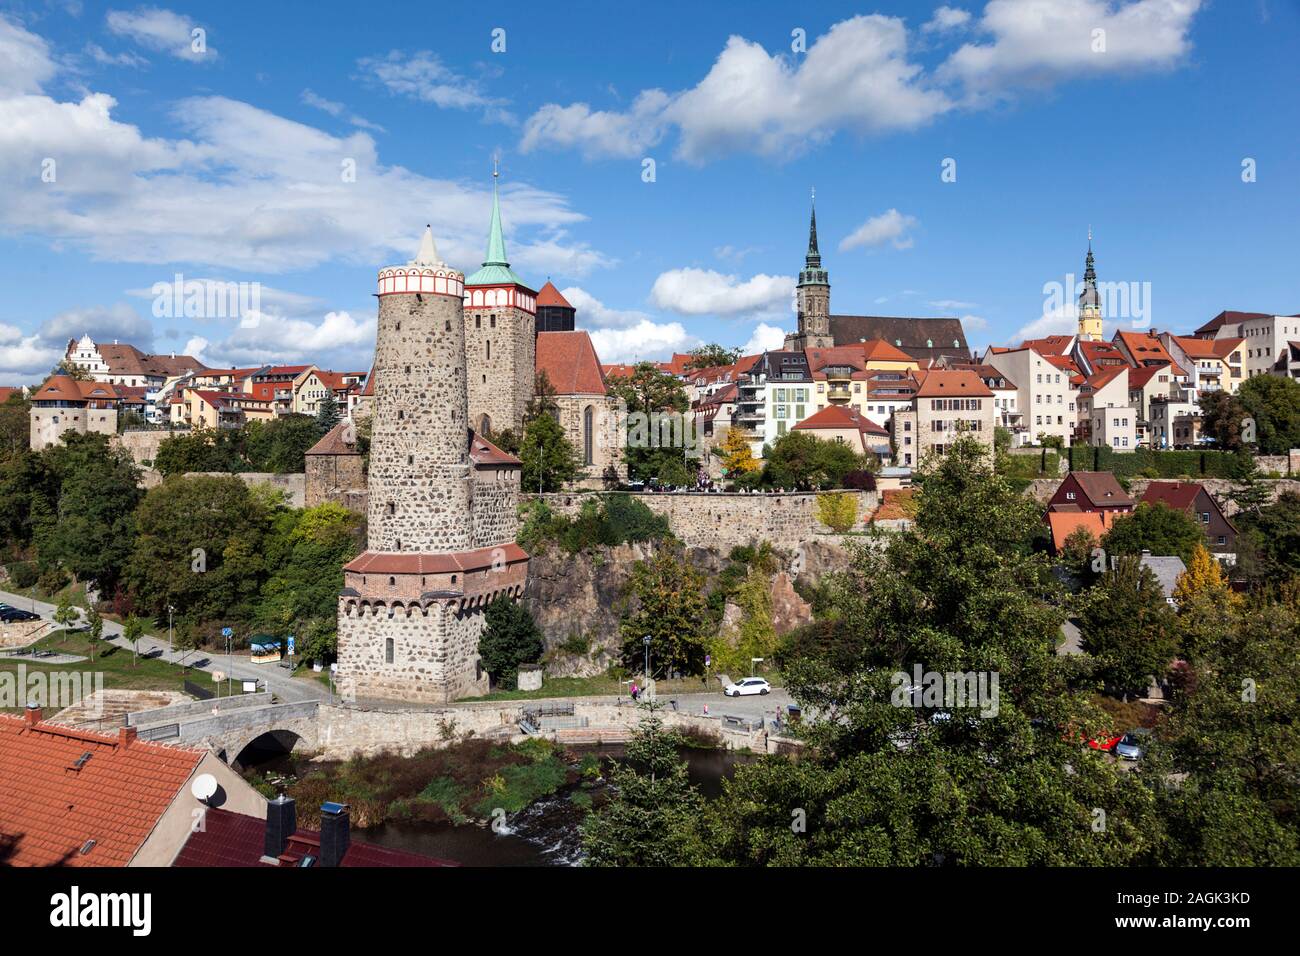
<point>423,76</point>
<point>25,60</point>
<point>339,340</point>
<point>558,255</point>
<point>946,19</point>
<point>643,341</point>
<point>891,226</point>
<point>25,359</point>
<point>1059,321</point>
<point>592,312</point>
<point>951,305</point>
<point>104,58</point>
<point>246,189</point>
<point>765,338</point>
<point>974,323</point>
<point>705,292</point>
<point>598,133</point>
<point>329,106</point>
<point>855,77</point>
<point>160,30</point>
<point>1036,43</point>
<point>102,323</point>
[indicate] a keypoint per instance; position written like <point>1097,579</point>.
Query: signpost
<point>228,633</point>
<point>290,653</point>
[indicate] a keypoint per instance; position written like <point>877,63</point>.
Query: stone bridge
<point>230,725</point>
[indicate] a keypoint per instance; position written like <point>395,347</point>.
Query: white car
<point>746,687</point>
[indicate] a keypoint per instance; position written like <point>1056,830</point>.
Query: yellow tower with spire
<point>1089,301</point>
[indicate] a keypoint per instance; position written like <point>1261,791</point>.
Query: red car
<point>1105,742</point>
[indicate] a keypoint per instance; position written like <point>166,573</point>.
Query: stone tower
<point>813,298</point>
<point>438,550</point>
<point>1089,301</point>
<point>500,337</point>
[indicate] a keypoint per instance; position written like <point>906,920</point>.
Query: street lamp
<point>646,640</point>
<point>170,611</point>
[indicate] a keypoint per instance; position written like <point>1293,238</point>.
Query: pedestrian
<point>706,710</point>
<point>635,691</point>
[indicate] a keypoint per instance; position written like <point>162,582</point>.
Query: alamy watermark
<point>206,299</point>
<point>1118,300</point>
<point>52,690</point>
<point>948,690</point>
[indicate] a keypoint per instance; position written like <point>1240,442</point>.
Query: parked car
<point>1105,742</point>
<point>1129,746</point>
<point>747,687</point>
<point>11,615</point>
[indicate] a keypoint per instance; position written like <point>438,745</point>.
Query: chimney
<point>32,715</point>
<point>126,736</point>
<point>334,837</point>
<point>281,823</point>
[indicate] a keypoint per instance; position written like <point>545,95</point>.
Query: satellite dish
<point>204,786</point>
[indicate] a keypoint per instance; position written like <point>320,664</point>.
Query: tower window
<point>400,414</point>
<point>489,349</point>
<point>493,322</point>
<point>392,508</point>
<point>410,459</point>
<point>392,582</point>
<point>388,650</point>
<point>397,326</point>
<point>478,321</point>
<point>408,370</point>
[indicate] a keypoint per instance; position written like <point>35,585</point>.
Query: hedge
<point>1148,463</point>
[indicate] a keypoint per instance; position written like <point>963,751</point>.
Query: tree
<point>15,425</point>
<point>1222,415</point>
<point>327,412</point>
<point>65,614</point>
<point>1128,627</point>
<point>737,453</point>
<point>649,395</point>
<point>1076,551</point>
<point>671,608</point>
<point>882,783</point>
<point>95,628</point>
<point>201,450</point>
<point>1203,580</point>
<point>549,458</point>
<point>133,630</point>
<point>510,637</point>
<point>837,510</point>
<point>1268,542</point>
<point>280,445</point>
<point>712,356</point>
<point>1273,403</point>
<point>654,818</point>
<point>800,460</point>
<point>1156,528</point>
<point>94,509</point>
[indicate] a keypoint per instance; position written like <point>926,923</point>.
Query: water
<point>545,833</point>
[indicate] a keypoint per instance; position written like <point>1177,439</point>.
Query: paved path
<point>276,679</point>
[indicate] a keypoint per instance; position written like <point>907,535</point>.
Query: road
<point>276,679</point>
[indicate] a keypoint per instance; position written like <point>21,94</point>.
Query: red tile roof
<point>1178,495</point>
<point>50,809</point>
<point>483,452</point>
<point>1145,348</point>
<point>1065,523</point>
<point>570,363</point>
<point>65,388</point>
<point>1049,345</point>
<point>878,350</point>
<point>549,295</point>
<point>234,839</point>
<point>389,562</point>
<point>335,443</point>
<point>1105,375</point>
<point>7,390</point>
<point>1231,318</point>
<point>835,417</point>
<point>947,383</point>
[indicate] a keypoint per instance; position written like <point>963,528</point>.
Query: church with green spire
<point>500,336</point>
<point>813,298</point>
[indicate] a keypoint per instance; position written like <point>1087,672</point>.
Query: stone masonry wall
<point>500,384</point>
<point>142,445</point>
<point>292,485</point>
<point>49,424</point>
<point>329,477</point>
<point>419,452</point>
<point>494,504</point>
<point>606,443</point>
<point>722,521</point>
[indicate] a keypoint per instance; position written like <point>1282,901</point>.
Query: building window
<point>489,350</point>
<point>478,321</point>
<point>588,438</point>
<point>388,650</point>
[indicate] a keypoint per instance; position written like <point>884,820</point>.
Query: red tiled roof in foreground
<point>570,363</point>
<point>233,839</point>
<point>401,562</point>
<point>1065,523</point>
<point>840,417</point>
<point>1178,495</point>
<point>50,809</point>
<point>335,441</point>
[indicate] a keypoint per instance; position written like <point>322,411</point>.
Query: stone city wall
<point>293,485</point>
<point>722,521</point>
<point>142,445</point>
<point>494,498</point>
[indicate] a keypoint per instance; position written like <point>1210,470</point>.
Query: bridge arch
<point>265,742</point>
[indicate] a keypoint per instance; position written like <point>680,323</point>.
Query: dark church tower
<point>554,314</point>
<point>813,298</point>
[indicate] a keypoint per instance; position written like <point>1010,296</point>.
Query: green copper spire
<point>812,272</point>
<point>496,267</point>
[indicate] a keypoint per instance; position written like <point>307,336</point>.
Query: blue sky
<point>229,162</point>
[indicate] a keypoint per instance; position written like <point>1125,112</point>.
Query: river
<point>545,833</point>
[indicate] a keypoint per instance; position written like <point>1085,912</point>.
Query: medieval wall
<point>494,505</point>
<point>722,521</point>
<point>435,653</point>
<point>292,486</point>
<point>49,424</point>
<point>419,454</point>
<point>142,445</point>
<point>329,476</point>
<point>500,360</point>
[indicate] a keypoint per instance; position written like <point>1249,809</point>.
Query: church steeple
<point>813,295</point>
<point>496,267</point>
<point>1089,299</point>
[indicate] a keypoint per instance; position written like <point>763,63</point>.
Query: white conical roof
<point>428,252</point>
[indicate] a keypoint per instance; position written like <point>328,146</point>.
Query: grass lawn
<point>117,664</point>
<point>604,685</point>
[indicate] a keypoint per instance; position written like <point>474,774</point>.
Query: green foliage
<point>1149,463</point>
<point>511,637</point>
<point>550,460</point>
<point>202,450</point>
<point>1273,401</point>
<point>1268,542</point>
<point>838,511</point>
<point>65,613</point>
<point>280,445</point>
<point>327,412</point>
<point>603,521</point>
<point>1128,627</point>
<point>1156,528</point>
<point>671,609</point>
<point>90,522</point>
<point>654,818</point>
<point>711,356</point>
<point>650,392</point>
<point>800,460</point>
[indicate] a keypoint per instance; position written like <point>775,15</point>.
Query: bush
<point>23,574</point>
<point>603,521</point>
